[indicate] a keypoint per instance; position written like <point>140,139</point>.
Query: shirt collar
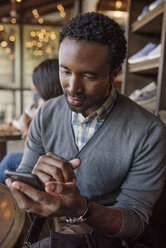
<point>100,113</point>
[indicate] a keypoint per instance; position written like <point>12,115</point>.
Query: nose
<point>75,85</point>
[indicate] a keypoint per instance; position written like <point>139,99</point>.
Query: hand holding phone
<point>25,177</point>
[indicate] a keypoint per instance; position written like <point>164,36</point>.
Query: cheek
<point>101,92</point>
<point>63,81</point>
<point>97,90</point>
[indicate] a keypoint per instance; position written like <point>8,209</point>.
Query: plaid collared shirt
<point>85,128</point>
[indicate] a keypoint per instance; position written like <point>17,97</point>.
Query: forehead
<point>83,52</point>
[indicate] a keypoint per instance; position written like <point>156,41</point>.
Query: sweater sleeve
<point>34,146</point>
<point>144,182</point>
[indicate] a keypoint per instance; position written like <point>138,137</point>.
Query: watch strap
<point>79,219</point>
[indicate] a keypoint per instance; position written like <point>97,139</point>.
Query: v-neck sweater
<point>123,165</point>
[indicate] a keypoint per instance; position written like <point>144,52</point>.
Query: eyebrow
<point>83,72</point>
<point>65,67</point>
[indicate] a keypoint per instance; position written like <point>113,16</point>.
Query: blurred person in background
<point>47,85</point>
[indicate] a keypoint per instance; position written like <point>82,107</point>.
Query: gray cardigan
<point>123,164</point>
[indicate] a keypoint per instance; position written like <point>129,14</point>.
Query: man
<point>100,155</point>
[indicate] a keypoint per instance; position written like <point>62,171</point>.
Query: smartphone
<point>25,177</point>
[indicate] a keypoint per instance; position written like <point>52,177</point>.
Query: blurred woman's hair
<point>46,79</point>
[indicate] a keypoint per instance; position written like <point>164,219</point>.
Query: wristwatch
<point>79,219</point>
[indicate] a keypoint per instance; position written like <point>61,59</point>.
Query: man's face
<point>84,74</point>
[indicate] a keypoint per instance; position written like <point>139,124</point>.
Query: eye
<point>65,72</point>
<point>90,77</point>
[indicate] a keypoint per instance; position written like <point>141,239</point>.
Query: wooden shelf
<point>151,15</point>
<point>147,65</point>
<point>151,28</point>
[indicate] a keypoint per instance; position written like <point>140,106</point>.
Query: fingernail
<point>8,182</point>
<point>50,187</point>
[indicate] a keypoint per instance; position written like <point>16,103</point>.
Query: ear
<point>115,73</point>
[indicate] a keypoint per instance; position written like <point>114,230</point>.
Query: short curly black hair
<point>98,28</point>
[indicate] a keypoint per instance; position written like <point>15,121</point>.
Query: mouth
<point>75,101</point>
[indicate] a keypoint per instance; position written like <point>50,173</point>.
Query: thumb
<point>75,163</point>
<point>58,188</point>
<point>53,187</point>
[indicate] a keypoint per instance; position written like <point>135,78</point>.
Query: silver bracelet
<point>79,219</point>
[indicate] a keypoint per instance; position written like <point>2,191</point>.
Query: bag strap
<point>34,231</point>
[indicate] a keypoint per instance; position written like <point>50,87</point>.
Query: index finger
<point>59,163</point>
<point>48,167</point>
